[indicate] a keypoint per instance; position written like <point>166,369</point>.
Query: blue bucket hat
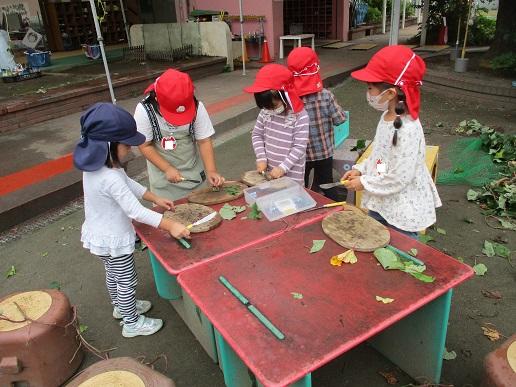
<point>100,124</point>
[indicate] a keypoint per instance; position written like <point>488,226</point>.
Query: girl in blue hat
<point>110,205</point>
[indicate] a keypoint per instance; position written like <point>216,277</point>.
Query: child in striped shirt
<point>280,135</point>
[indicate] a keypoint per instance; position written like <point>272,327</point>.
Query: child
<point>324,113</point>
<point>398,189</point>
<point>110,202</point>
<point>178,132</point>
<point>281,131</point>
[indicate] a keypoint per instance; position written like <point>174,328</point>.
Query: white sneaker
<point>142,307</point>
<point>145,326</point>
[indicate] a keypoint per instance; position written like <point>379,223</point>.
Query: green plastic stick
<point>405,255</point>
<point>184,243</point>
<point>259,315</point>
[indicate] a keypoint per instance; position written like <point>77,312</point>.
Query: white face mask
<point>374,101</point>
<point>280,109</point>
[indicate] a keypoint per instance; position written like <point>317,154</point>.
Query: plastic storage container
<point>37,58</point>
<point>341,132</point>
<point>279,198</point>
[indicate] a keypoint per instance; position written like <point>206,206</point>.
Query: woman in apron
<point>178,131</point>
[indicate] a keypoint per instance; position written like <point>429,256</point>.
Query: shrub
<point>505,62</point>
<point>482,31</point>
<point>374,15</point>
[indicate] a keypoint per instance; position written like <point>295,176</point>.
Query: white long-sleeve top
<point>110,203</point>
<point>402,191</point>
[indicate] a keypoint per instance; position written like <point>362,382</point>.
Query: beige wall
<point>26,8</point>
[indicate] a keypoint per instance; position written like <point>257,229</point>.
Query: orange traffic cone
<point>266,56</point>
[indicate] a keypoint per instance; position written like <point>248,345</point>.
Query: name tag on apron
<point>169,143</point>
<point>381,167</point>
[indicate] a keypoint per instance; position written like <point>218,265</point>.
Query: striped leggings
<point>121,281</point>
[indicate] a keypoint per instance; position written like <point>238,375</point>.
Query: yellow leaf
<point>491,333</point>
<point>385,300</point>
<point>350,257</point>
<point>335,261</point>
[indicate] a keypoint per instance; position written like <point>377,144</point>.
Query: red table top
<point>229,237</point>
<point>337,312</point>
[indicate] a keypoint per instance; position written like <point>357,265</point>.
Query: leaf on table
<point>239,209</point>
<point>11,272</point>
<point>413,252</point>
<point>480,269</point>
<point>390,377</point>
<point>472,194</point>
<point>452,355</point>
<point>388,259</point>
<point>425,238</point>
<point>317,245</point>
<point>83,328</point>
<point>385,300</point>
<point>227,212</point>
<point>411,267</point>
<point>297,296</point>
<point>441,231</point>
<point>233,190</point>
<point>335,261</point>
<point>491,333</point>
<point>488,249</point>
<point>494,294</point>
<point>255,212</point>
<point>422,277</point>
<point>347,256</point>
<point>55,285</point>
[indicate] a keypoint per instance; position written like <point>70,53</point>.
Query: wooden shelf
<point>316,16</point>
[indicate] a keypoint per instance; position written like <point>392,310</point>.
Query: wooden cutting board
<point>190,213</point>
<point>353,229</point>
<point>208,196</point>
<point>252,178</point>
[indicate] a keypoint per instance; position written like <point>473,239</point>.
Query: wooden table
<point>338,310</point>
<point>296,38</point>
<point>168,258</point>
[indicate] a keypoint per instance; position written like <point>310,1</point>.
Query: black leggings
<point>323,174</point>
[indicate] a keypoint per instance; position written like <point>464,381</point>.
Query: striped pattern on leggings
<point>121,281</point>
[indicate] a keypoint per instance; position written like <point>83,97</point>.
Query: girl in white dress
<point>398,188</point>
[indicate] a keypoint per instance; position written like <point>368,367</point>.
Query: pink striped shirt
<point>281,140</point>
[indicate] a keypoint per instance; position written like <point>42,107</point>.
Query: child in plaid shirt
<point>324,113</point>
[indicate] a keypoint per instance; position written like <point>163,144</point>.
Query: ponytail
<point>399,109</point>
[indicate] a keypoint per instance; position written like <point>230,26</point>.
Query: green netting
<point>471,164</point>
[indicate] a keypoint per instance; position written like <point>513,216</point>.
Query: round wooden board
<point>208,196</point>
<point>190,213</point>
<point>33,304</point>
<point>353,229</point>
<point>252,178</point>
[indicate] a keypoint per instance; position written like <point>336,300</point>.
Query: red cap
<point>304,64</point>
<point>399,66</point>
<point>277,77</point>
<point>175,96</point>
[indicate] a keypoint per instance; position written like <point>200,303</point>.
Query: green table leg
<point>236,373</point>
<point>416,343</point>
<point>166,284</point>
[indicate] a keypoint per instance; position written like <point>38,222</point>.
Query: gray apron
<point>185,158</point>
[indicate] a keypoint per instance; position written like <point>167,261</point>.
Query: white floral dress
<point>397,183</point>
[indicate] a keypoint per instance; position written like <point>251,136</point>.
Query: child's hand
<point>354,183</point>
<point>261,166</point>
<point>173,175</point>
<point>349,174</point>
<point>215,179</point>
<point>165,203</point>
<point>277,172</point>
<point>178,231</point>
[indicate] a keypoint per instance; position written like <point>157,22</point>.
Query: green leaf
<point>55,285</point>
<point>425,238</point>
<point>255,212</point>
<point>83,328</point>
<point>44,254</point>
<point>385,300</point>
<point>297,296</point>
<point>388,259</point>
<point>452,355</point>
<point>422,277</point>
<point>488,249</point>
<point>317,245</point>
<point>501,250</point>
<point>11,272</point>
<point>233,190</point>
<point>480,269</point>
<point>413,252</point>
<point>460,259</point>
<point>441,231</point>
<point>472,194</point>
<point>508,225</point>
<point>226,212</point>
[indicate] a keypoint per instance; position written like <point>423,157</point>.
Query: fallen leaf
<point>297,296</point>
<point>11,272</point>
<point>335,261</point>
<point>508,225</point>
<point>413,252</point>
<point>501,250</point>
<point>488,249</point>
<point>491,333</point>
<point>83,328</point>
<point>494,294</point>
<point>425,238</point>
<point>452,355</point>
<point>317,245</point>
<point>472,194</point>
<point>468,220</point>
<point>390,377</point>
<point>385,300</point>
<point>55,285</point>
<point>388,259</point>
<point>460,259</point>
<point>44,254</point>
<point>441,231</point>
<point>255,212</point>
<point>480,269</point>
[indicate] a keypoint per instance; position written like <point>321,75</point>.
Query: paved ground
<point>40,254</point>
